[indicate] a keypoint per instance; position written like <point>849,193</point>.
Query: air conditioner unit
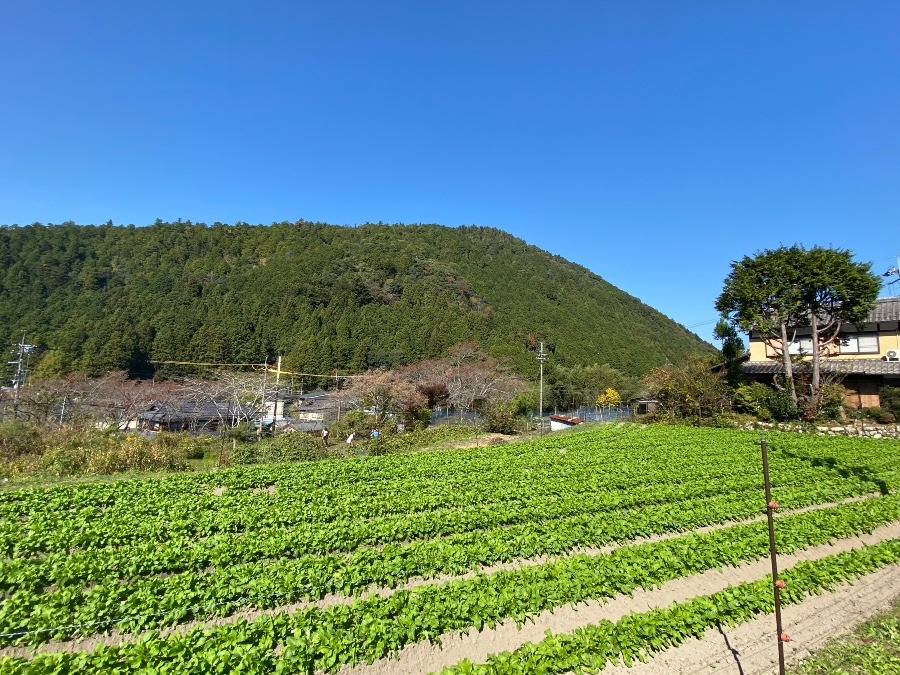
<point>892,356</point>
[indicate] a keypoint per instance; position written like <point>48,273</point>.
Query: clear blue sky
<point>652,142</point>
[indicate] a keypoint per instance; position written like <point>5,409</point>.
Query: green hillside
<point>325,297</point>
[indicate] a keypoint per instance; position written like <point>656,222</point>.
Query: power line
<point>702,323</point>
<point>264,366</point>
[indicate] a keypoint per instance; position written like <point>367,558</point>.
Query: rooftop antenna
<point>892,271</point>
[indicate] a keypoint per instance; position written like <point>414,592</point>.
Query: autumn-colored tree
<point>610,397</point>
<point>387,391</point>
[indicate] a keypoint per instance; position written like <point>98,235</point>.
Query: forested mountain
<point>98,298</point>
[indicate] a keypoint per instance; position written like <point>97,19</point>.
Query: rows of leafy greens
<point>623,458</point>
<point>314,639</point>
<point>640,635</point>
<point>139,555</point>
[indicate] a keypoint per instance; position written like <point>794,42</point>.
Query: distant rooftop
<point>886,309</point>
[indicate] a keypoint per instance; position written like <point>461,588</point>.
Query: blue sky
<point>651,142</point>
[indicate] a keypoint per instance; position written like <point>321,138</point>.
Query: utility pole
<point>541,357</point>
<point>21,351</point>
<point>277,383</point>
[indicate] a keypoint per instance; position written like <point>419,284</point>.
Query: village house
<point>316,406</point>
<point>864,359</point>
<point>189,416</point>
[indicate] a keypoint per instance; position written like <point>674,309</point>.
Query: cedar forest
<point>327,298</point>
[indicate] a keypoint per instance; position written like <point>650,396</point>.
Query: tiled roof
<point>886,309</point>
<point>565,419</point>
<point>843,366</point>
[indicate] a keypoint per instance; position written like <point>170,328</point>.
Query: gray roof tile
<point>844,366</point>
<point>886,309</point>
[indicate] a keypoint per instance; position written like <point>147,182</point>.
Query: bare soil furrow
<point>477,646</point>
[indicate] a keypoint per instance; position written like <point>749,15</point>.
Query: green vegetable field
<point>312,567</point>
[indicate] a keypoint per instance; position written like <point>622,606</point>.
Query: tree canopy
<point>781,291</point>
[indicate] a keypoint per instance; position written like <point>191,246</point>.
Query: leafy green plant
<point>782,406</point>
<point>890,399</point>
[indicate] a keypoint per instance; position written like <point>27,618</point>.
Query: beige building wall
<point>888,340</point>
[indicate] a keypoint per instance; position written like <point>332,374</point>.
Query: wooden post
<point>776,582</point>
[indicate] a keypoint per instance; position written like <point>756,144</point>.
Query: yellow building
<point>865,357</point>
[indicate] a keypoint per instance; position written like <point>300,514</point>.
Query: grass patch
<point>872,649</point>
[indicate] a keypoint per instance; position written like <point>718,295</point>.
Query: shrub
<point>182,445</point>
<point>688,390</point>
<point>242,433</point>
<point>18,439</point>
<point>292,447</point>
<point>890,399</point>
<point>96,452</point>
<point>879,415</point>
<point>782,406</point>
<point>500,418</point>
<point>754,399</point>
<point>410,441</point>
<point>831,404</point>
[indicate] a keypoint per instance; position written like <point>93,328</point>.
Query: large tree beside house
<point>781,291</point>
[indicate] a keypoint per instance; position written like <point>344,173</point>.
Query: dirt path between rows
<point>751,649</point>
<point>477,646</point>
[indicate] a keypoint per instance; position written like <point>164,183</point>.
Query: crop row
<point>154,602</point>
<point>638,635</point>
<point>324,639</point>
<point>613,448</point>
<point>155,516</point>
<point>183,554</point>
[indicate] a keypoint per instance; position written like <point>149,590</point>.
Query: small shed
<point>644,406</point>
<point>558,422</point>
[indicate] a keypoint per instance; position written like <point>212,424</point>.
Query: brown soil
<point>482,441</point>
<point>693,657</point>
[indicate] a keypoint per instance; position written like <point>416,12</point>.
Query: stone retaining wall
<point>868,429</point>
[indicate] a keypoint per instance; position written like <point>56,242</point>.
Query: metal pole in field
<point>541,357</point>
<point>277,385</point>
<point>777,584</point>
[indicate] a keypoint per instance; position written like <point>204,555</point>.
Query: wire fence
<point>453,416</point>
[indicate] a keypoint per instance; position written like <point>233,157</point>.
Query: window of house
<point>802,345</point>
<point>859,343</point>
